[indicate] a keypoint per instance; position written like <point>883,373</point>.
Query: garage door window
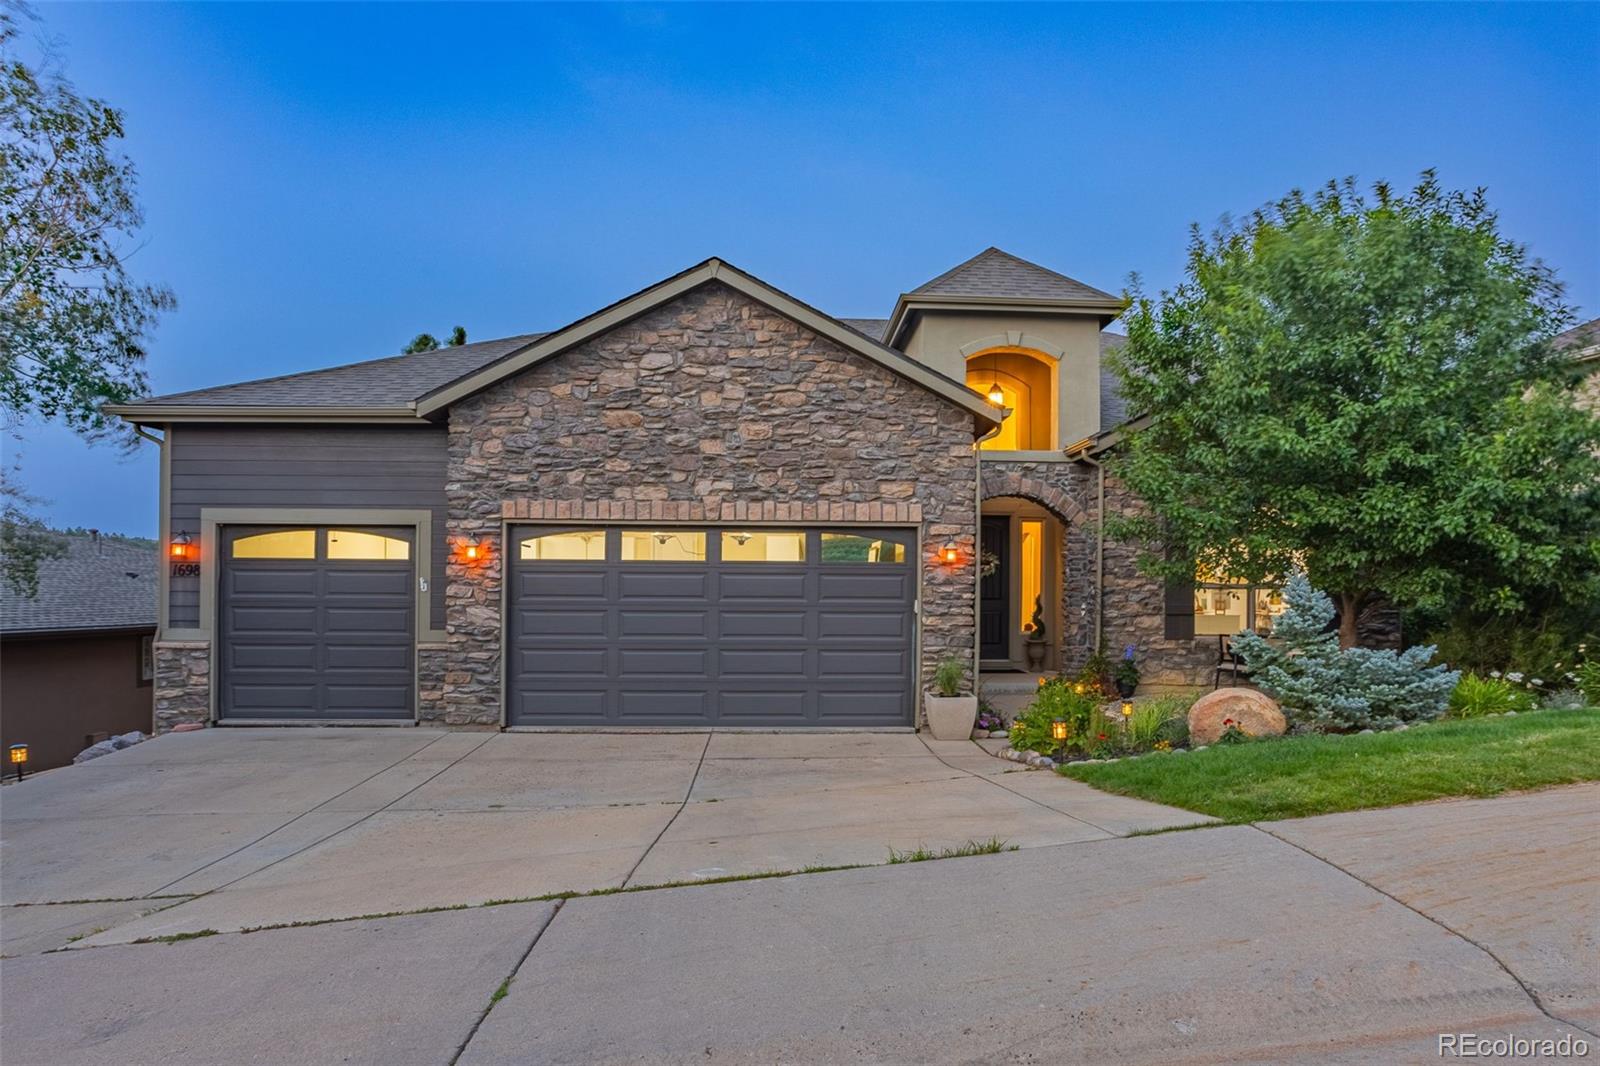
<point>279,544</point>
<point>577,544</point>
<point>757,546</point>
<point>664,546</point>
<point>353,544</point>
<point>854,548</point>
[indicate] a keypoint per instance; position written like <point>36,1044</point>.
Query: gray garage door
<point>316,623</point>
<point>711,626</point>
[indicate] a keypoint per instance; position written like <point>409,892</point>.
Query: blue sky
<point>323,182</point>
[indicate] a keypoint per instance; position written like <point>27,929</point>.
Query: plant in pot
<point>950,712</point>
<point>1033,642</point>
<point>1126,673</point>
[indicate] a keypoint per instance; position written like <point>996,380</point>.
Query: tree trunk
<point>1349,616</point>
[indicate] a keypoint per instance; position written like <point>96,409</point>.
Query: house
<point>1583,342</point>
<point>76,660</point>
<point>706,504</point>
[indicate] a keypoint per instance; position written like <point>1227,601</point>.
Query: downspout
<point>977,544</point>
<point>1082,456</point>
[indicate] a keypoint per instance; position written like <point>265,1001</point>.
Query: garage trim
<point>919,566</point>
<point>213,518</point>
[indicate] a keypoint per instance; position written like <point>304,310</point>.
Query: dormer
<point>1013,329</point>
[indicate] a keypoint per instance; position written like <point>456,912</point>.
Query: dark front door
<point>317,623</point>
<point>695,626</point>
<point>994,591</point>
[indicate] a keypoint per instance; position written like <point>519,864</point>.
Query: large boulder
<point>1256,713</point>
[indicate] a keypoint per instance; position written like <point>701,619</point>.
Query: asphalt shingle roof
<point>392,382</point>
<point>1113,409</point>
<point>995,273</point>
<point>1580,337</point>
<point>104,583</point>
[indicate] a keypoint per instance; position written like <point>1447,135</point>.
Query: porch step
<point>1009,693</point>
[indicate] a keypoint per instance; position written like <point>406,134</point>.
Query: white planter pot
<point>951,717</point>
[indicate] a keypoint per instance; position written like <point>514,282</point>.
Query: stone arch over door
<point>1052,499</point>
<point>1079,597</point>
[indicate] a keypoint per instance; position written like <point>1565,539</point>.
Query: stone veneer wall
<point>1133,603</point>
<point>1135,612</point>
<point>709,401</point>
<point>182,684</point>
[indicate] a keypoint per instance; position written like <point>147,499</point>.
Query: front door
<point>994,590</point>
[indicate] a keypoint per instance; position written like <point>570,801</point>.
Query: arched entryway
<point>1025,383</point>
<point>1026,529</point>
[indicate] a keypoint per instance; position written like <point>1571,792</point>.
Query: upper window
<point>856,548</point>
<point>664,546</point>
<point>353,544</point>
<point>1025,386</point>
<point>757,546</point>
<point>1223,606</point>
<point>278,544</point>
<point>583,544</point>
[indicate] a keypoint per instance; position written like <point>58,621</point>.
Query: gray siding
<point>305,466</point>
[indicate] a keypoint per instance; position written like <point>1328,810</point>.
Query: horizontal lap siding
<point>305,466</point>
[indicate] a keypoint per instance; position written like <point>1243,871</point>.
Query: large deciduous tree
<point>1362,386</point>
<point>72,319</point>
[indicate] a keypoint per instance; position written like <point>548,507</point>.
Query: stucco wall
<point>938,337</point>
<point>710,400</point>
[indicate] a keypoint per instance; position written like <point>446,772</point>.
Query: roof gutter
<point>138,414</point>
<point>908,303</point>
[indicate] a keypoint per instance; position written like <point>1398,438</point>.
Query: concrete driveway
<point>235,829</point>
<point>1354,938</point>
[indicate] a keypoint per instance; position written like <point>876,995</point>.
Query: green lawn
<point>1298,776</point>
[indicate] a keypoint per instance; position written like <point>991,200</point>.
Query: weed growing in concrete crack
<point>992,846</point>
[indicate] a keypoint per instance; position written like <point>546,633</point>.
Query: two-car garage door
<point>710,626</point>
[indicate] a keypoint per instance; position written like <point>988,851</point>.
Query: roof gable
<point>553,344</point>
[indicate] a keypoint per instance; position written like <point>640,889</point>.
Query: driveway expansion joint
<point>505,986</point>
<point>1527,989</point>
<point>686,794</point>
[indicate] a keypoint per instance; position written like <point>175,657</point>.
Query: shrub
<point>1341,690</point>
<point>949,676</point>
<point>1095,677</point>
<point>1150,718</point>
<point>1056,698</point>
<point>1564,699</point>
<point>1476,696</point>
<point>1587,678</point>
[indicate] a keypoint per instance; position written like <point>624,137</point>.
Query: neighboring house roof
<point>872,327</point>
<point>1583,340</point>
<point>101,583</point>
<point>993,273</point>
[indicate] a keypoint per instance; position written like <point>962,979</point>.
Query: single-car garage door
<point>711,626</point>
<point>316,623</point>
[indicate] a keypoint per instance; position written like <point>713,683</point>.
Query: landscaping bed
<point>1292,777</point>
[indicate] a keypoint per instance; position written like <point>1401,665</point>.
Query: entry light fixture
<point>182,547</point>
<point>996,395</point>
<point>950,553</point>
<point>18,753</point>
<point>473,551</point>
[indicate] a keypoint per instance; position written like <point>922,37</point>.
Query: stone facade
<point>182,684</point>
<point>709,402</point>
<point>1132,604</point>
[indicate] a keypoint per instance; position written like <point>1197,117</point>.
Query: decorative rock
<point>1364,732</point>
<point>998,734</point>
<point>1253,712</point>
<point>1401,728</point>
<point>188,727</point>
<point>1510,713</point>
<point>1180,751</point>
<point>1202,747</point>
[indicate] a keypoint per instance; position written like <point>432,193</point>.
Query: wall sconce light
<point>950,553</point>
<point>182,547</point>
<point>472,551</point>
<point>18,754</point>
<point>996,396</point>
